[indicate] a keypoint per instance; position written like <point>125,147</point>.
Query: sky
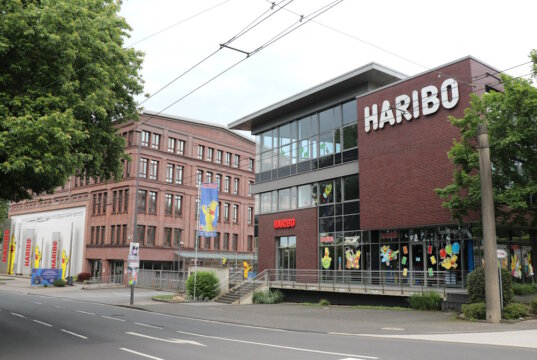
<point>407,36</point>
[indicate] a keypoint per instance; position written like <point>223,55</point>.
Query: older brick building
<point>95,221</point>
<point>354,163</point>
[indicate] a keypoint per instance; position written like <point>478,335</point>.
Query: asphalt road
<point>36,326</point>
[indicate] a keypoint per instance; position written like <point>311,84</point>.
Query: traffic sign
<point>501,253</point>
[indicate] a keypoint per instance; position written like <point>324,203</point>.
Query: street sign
<point>501,254</point>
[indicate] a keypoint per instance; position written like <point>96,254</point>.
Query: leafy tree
<point>65,82</point>
<point>511,118</point>
<point>4,207</point>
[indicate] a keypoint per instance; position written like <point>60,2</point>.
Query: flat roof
<point>371,73</point>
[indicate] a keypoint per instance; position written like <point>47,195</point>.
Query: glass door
<point>417,263</point>
<point>287,257</point>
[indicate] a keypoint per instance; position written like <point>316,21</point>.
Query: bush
<point>426,301</point>
<point>206,285</point>
<point>324,302</point>
<point>524,289</point>
<point>267,297</point>
<point>515,311</point>
<point>83,276</point>
<point>59,283</point>
<point>476,286</point>
<point>475,311</point>
<point>533,307</point>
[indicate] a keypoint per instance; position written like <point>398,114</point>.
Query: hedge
<point>206,285</point>
<point>476,286</point>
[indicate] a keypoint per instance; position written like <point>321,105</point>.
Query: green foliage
<point>4,209</point>
<point>206,283</point>
<point>476,311</point>
<point>267,297</point>
<point>524,289</point>
<point>533,306</point>
<point>59,283</point>
<point>429,300</point>
<point>476,286</point>
<point>515,311</point>
<point>66,81</point>
<point>83,276</point>
<point>324,302</point>
<point>511,118</point>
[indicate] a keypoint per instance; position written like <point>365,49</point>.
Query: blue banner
<point>41,277</point>
<point>208,209</point>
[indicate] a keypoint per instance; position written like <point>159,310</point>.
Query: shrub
<point>267,297</point>
<point>83,276</point>
<point>476,286</point>
<point>206,285</point>
<point>324,302</point>
<point>59,283</point>
<point>524,289</point>
<point>429,300</point>
<point>533,307</point>
<point>475,311</point>
<point>515,311</point>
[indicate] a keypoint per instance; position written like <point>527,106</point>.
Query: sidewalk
<point>404,324</point>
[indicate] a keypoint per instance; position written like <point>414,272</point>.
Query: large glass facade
<point>318,140</point>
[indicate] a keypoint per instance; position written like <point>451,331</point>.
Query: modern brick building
<point>94,221</point>
<point>346,173</point>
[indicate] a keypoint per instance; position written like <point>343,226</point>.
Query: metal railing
<point>162,280</point>
<point>359,281</point>
<point>117,280</point>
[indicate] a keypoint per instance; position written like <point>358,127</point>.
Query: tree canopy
<point>511,118</point>
<point>65,82</point>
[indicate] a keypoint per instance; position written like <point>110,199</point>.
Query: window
<point>129,141</point>
<point>250,245</point>
<point>92,238</point>
<point>218,156</point>
<point>235,213</point>
<point>153,174</point>
<point>218,217</point>
<point>151,231</point>
<point>169,173</point>
<point>180,147</point>
<point>235,186</point>
<point>143,167</point>
<point>118,233</point>
<point>128,168</point>
<point>200,152</point>
<point>178,174</point>
<point>251,164</point>
<point>216,241</point>
<point>124,234</point>
<point>226,212</point>
<point>235,242</point>
<point>207,242</point>
<point>103,228</point>
<point>126,207</point>
<point>218,180</point>
<point>167,237</point>
<point>199,177</point>
<point>228,159</point>
<point>209,177</point>
<point>178,205</point>
<point>114,199</point>
<point>94,211</point>
<point>226,184</point>
<point>236,160</point>
<point>97,234</point>
<point>250,184</point>
<point>120,201</point>
<point>99,201</point>
<point>304,196</point>
<point>250,215</point>
<point>197,209</point>
<point>155,141</point>
<point>171,145</point>
<point>177,237</point>
<point>210,154</point>
<point>142,198</point>
<point>152,202</point>
<point>226,242</point>
<point>105,202</point>
<point>112,233</point>
<point>168,204</point>
<point>145,138</point>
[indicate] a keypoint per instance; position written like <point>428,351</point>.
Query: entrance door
<point>117,271</point>
<point>287,257</point>
<point>418,263</point>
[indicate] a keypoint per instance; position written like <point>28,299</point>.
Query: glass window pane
<point>293,197</point>
<point>326,120</point>
<point>304,196</point>
<point>326,192</point>
<point>266,199</point>
<point>326,143</point>
<point>350,112</point>
<point>284,199</point>
<point>304,150</point>
<point>285,156</point>
<point>267,140</point>
<point>350,137</point>
<point>285,134</point>
<point>304,128</point>
<point>351,188</point>
<point>266,161</point>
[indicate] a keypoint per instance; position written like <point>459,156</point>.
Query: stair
<point>454,301</point>
<point>236,292</point>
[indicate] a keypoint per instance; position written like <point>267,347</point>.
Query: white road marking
<point>58,307</point>
<point>172,341</point>
<point>278,346</point>
<point>149,326</point>
<point>141,354</point>
<point>84,312</point>
<point>74,334</point>
<point>38,303</point>
<point>112,318</point>
<point>393,328</point>
<point>43,323</point>
<point>19,315</point>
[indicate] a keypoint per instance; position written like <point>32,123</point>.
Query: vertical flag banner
<point>208,209</point>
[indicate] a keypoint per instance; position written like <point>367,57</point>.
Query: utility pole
<point>492,291</point>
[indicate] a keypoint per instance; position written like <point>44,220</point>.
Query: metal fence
<point>162,280</point>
